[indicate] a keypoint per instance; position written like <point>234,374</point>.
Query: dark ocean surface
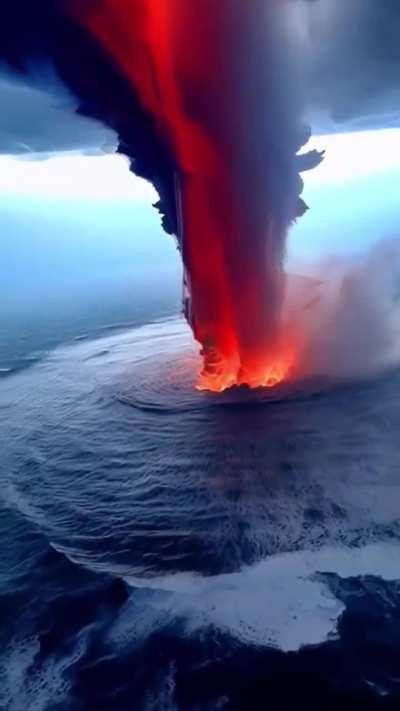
<point>167,549</point>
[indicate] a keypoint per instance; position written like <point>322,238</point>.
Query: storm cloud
<point>35,123</point>
<point>352,64</point>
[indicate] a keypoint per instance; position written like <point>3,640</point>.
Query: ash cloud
<point>38,42</point>
<point>352,52</point>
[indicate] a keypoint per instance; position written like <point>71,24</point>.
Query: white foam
<point>279,602</point>
<point>32,683</point>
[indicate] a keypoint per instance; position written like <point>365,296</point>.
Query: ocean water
<point>164,549</point>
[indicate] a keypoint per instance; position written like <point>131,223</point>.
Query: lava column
<point>216,79</point>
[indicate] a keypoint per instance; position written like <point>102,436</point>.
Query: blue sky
<point>353,195</point>
<point>82,247</point>
<point>77,217</point>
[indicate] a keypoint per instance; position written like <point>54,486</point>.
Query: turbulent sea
<point>166,549</point>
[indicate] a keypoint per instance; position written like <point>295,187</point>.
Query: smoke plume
<point>218,84</point>
<point>206,100</point>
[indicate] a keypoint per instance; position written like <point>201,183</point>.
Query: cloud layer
<point>352,52</point>
<point>35,122</point>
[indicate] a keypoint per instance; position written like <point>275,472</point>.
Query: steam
<point>347,316</point>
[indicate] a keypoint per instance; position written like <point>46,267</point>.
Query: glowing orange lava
<point>205,71</point>
<point>265,375</point>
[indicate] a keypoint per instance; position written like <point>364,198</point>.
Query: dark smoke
<point>34,35</point>
<point>353,56</point>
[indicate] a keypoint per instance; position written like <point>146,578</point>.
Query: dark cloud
<point>353,58</point>
<point>36,122</point>
<point>354,62</point>
<point>38,113</point>
<point>37,40</point>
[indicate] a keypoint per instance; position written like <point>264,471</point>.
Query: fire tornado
<point>216,82</point>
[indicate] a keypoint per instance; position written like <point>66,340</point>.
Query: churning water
<point>169,549</point>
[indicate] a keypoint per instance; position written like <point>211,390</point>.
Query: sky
<point>82,247</point>
<point>82,250</point>
<point>353,196</point>
<point>80,216</point>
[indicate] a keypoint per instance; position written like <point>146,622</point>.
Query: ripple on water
<point>163,376</point>
<point>189,481</point>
